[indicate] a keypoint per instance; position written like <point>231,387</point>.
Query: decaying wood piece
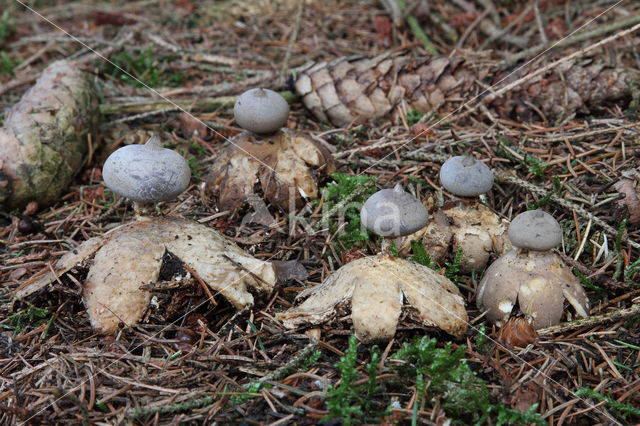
<point>357,89</point>
<point>286,164</point>
<point>375,287</point>
<point>44,138</point>
<point>132,255</point>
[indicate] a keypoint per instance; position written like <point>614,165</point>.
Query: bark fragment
<point>631,201</point>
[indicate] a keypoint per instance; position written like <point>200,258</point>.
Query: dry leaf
<point>630,201</point>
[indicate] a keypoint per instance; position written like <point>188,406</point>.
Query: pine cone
<point>44,138</point>
<point>360,88</point>
<point>565,90</point>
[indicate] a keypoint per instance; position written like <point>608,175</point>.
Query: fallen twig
<point>618,315</point>
<point>279,373</point>
<point>292,40</point>
<point>191,104</point>
<point>568,41</point>
<point>413,23</point>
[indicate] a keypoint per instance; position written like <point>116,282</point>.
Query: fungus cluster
<point>531,275</point>
<point>285,163</point>
<point>375,286</point>
<point>124,260</point>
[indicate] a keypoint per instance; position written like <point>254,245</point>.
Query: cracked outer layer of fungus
<point>538,281</point>
<point>465,223</point>
<point>296,158</point>
<point>131,256</point>
<point>474,228</point>
<point>376,286</point>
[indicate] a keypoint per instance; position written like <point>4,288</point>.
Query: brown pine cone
<point>517,332</point>
<point>357,89</point>
<point>362,88</point>
<point>565,90</point>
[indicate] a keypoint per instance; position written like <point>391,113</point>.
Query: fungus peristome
<point>376,285</point>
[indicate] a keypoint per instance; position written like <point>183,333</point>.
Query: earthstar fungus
<point>376,286</point>
<point>531,275</point>
<point>285,163</point>
<point>465,223</point>
<point>123,260</point>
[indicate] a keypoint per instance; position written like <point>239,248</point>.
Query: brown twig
<point>617,315</point>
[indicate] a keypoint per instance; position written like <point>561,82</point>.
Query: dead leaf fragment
<point>630,201</point>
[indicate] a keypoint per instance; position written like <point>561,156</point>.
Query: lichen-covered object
<point>286,164</point>
<point>538,281</point>
<point>361,88</point>
<point>375,286</point>
<point>131,256</point>
<point>44,138</point>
